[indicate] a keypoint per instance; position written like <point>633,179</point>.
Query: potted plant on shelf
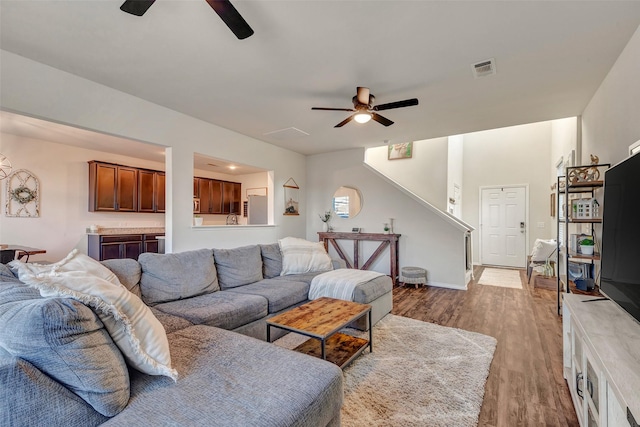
<point>586,246</point>
<point>197,220</point>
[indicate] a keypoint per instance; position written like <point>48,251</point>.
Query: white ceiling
<point>551,57</point>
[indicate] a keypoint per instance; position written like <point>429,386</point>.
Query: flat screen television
<point>620,262</point>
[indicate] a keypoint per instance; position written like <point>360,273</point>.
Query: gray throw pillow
<point>128,272</point>
<point>238,266</point>
<point>68,342</point>
<point>6,275</point>
<point>170,277</point>
<point>271,260</point>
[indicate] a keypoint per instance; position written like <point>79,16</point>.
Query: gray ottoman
<point>413,275</point>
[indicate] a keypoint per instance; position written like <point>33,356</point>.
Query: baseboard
<point>448,285</point>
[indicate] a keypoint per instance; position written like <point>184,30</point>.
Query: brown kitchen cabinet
<point>151,191</point>
<point>118,188</point>
<point>231,197</point>
<point>119,246</point>
<point>112,188</point>
<point>150,242</point>
<point>218,197</point>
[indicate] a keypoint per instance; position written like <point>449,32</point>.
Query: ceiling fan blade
<point>136,7</point>
<point>397,104</point>
<point>232,18</point>
<point>344,122</point>
<point>332,109</point>
<point>363,95</point>
<point>382,120</point>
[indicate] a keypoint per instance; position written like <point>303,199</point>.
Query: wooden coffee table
<point>321,319</point>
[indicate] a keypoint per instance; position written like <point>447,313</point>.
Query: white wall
<point>455,174</point>
<point>37,90</point>
<point>64,197</point>
<point>508,156</point>
<point>611,121</point>
<point>427,240</point>
<point>424,174</point>
<point>564,140</point>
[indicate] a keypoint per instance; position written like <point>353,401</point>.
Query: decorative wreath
<point>23,195</point>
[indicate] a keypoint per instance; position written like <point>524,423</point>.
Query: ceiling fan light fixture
<point>362,117</point>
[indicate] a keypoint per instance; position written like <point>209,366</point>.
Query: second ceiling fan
<point>223,8</point>
<point>364,110</point>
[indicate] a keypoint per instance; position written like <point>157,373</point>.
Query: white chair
<point>543,253</point>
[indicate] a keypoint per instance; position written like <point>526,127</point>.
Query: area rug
<point>419,374</point>
<point>502,277</point>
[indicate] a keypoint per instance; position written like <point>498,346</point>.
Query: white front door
<point>503,227</point>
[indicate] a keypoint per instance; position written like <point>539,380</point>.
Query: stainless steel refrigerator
<point>257,210</point>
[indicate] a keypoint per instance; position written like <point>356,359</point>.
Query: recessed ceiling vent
<point>484,68</point>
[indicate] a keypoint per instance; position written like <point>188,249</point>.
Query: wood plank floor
<point>525,385</point>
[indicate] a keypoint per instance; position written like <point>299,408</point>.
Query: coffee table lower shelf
<point>340,349</point>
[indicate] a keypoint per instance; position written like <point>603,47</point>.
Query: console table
<point>385,240</point>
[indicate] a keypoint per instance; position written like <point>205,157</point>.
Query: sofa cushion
<point>128,272</point>
<point>233,380</point>
<point>137,333</point>
<point>271,260</point>
<point>224,309</point>
<point>238,266</point>
<point>170,322</point>
<point>281,294</point>
<point>303,256</point>
<point>369,291</point>
<point>170,277</point>
<point>303,277</point>
<point>65,340</point>
<point>6,275</point>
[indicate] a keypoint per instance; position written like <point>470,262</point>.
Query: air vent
<point>484,68</point>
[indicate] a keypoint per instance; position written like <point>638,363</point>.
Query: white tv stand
<point>601,346</point>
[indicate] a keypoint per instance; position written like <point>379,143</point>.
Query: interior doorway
<point>503,226</point>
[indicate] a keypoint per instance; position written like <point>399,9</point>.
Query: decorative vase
<point>325,226</point>
<point>586,250</point>
<point>197,221</point>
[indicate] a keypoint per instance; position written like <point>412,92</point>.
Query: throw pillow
<point>127,271</point>
<point>543,249</point>
<point>65,340</point>
<point>132,326</point>
<point>238,266</point>
<point>302,256</point>
<point>170,277</point>
<point>6,275</point>
<point>271,260</point>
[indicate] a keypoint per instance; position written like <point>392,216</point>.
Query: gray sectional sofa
<point>213,305</point>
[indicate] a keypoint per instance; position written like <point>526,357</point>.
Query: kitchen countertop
<point>127,230</point>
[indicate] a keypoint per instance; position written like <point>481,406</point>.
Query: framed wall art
<point>400,151</point>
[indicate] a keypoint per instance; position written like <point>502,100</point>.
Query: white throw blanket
<point>340,283</point>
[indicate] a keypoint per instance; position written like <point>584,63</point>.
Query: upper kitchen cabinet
<point>210,191</point>
<point>118,188</point>
<point>151,191</point>
<point>218,197</point>
<point>112,188</point>
<point>231,197</point>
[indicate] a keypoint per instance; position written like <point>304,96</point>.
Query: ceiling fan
<point>223,8</point>
<point>364,110</point>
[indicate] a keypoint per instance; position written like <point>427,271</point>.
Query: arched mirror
<point>347,202</point>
